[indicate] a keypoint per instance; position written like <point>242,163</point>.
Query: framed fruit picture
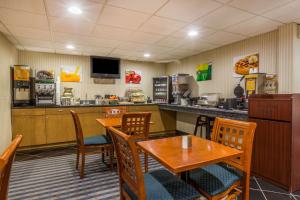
<point>204,72</point>
<point>133,76</point>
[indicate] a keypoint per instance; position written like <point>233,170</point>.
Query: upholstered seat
<point>214,179</point>
<point>162,185</point>
<point>96,140</point>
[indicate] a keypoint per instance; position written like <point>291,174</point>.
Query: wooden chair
<point>137,123</point>
<point>156,185</point>
<point>90,145</point>
<point>221,180</point>
<point>116,111</point>
<point>6,161</point>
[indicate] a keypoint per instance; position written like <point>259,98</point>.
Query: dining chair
<point>6,161</point>
<point>137,123</point>
<point>155,185</point>
<point>116,111</point>
<point>222,180</point>
<point>90,145</point>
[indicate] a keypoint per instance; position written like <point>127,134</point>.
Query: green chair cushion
<point>162,185</point>
<point>214,179</point>
<point>98,139</point>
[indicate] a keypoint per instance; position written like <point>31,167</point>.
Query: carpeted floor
<point>51,174</point>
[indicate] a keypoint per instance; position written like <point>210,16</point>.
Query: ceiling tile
<point>34,6</point>
<point>68,52</point>
<point>197,45</point>
<point>145,6</point>
<point>133,46</point>
<point>36,34</point>
<point>187,10</point>
<point>69,25</point>
<point>30,20</point>
<point>3,29</point>
<point>258,6</point>
<point>146,38</point>
<point>121,17</point>
<point>34,43</point>
<point>59,8</point>
<point>39,49</point>
<point>161,25</point>
<point>223,17</point>
<point>122,52</point>
<point>224,1</point>
<point>222,38</point>
<point>254,26</point>
<point>85,49</point>
<point>84,40</point>
<point>202,31</point>
<point>286,13</point>
<point>108,32</point>
<point>170,42</point>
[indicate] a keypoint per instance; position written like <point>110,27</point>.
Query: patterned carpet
<point>51,175</point>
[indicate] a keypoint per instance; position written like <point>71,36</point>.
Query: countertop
<point>78,106</point>
<point>207,111</point>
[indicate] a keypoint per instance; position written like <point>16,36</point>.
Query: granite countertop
<point>207,111</point>
<point>78,106</point>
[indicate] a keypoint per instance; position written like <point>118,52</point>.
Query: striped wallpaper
<point>222,59</point>
<point>39,61</point>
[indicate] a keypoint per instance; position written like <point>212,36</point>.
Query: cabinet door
<point>272,151</point>
<point>60,128</point>
<point>90,126</point>
<point>31,127</point>
<point>163,121</point>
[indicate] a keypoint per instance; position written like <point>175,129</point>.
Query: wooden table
<point>115,122</point>
<point>169,152</point>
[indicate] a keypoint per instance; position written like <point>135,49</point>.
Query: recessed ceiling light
<point>147,55</point>
<point>75,10</point>
<point>70,46</point>
<point>192,33</point>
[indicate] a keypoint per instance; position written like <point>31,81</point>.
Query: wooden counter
<point>51,126</point>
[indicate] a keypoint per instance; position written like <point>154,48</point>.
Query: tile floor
<point>260,189</point>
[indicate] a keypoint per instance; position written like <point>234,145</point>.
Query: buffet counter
<point>207,111</point>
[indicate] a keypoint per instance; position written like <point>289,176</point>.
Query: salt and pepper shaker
<point>186,141</point>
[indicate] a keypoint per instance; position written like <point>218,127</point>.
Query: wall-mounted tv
<point>105,67</point>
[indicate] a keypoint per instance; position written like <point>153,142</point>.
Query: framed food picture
<point>70,73</point>
<point>204,72</point>
<point>244,65</point>
<point>133,76</point>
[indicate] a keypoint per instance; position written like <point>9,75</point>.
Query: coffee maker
<point>179,87</point>
<point>22,85</point>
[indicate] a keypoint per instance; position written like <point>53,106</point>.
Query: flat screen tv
<point>105,67</point>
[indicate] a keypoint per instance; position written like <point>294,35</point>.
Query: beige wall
<point>8,56</point>
<point>222,63</point>
<point>53,61</point>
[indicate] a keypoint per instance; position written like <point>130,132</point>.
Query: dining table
<point>170,153</point>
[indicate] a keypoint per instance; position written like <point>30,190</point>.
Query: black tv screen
<point>104,67</point>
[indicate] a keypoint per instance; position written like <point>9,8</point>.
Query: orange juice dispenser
<point>21,85</point>
<point>254,83</point>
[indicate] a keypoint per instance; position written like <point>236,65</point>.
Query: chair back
<point>136,123</point>
<point>117,111</point>
<point>78,129</point>
<point>238,135</point>
<point>129,166</point>
<point>6,161</point>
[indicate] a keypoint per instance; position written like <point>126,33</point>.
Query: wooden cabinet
<point>276,147</point>
<point>31,124</point>
<point>55,125</point>
<point>60,128</point>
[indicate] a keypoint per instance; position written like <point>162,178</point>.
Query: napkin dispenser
<point>186,141</point>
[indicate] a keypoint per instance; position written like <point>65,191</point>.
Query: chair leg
<point>246,186</point>
<point>82,165</point>
<point>103,154</point>
<point>196,127</point>
<point>77,158</point>
<point>146,162</point>
<point>111,158</point>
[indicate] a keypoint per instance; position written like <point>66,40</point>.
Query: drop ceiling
<point>130,28</point>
